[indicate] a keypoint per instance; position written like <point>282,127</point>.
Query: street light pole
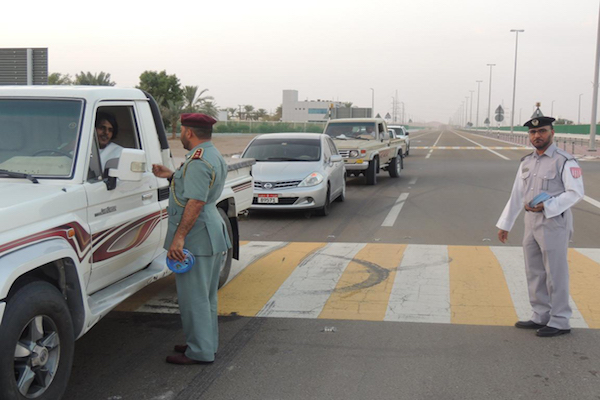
<point>592,145</point>
<point>478,88</point>
<point>471,111</point>
<point>372,102</point>
<point>552,109</point>
<point>512,114</point>
<point>579,111</point>
<point>466,110</point>
<point>490,94</point>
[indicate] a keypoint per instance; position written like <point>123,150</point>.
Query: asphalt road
<point>453,197</point>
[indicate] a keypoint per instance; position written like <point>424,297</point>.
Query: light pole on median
<point>512,114</point>
<point>490,94</point>
<point>372,102</point>
<point>466,110</point>
<point>552,108</point>
<point>478,88</point>
<point>471,110</point>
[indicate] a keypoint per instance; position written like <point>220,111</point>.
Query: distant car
<point>296,171</point>
<point>401,132</point>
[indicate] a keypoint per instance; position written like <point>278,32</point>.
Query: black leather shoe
<point>549,331</point>
<point>528,325</point>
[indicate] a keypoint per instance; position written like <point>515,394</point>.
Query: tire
<point>342,197</point>
<point>372,172</point>
<point>225,268</point>
<point>36,341</point>
<point>395,166</point>
<point>324,211</point>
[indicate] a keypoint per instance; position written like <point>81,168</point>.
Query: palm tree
<point>231,112</point>
<point>248,109</point>
<point>87,78</point>
<point>209,108</point>
<point>172,113</point>
<point>57,78</point>
<point>194,100</point>
<point>261,113</point>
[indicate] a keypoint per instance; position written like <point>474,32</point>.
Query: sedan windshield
<point>38,137</point>
<point>284,149</point>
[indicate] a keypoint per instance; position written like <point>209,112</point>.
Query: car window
<point>284,149</point>
<point>353,130</point>
<point>115,128</point>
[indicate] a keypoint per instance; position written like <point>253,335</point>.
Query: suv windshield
<point>284,150</point>
<point>39,137</point>
<point>352,130</point>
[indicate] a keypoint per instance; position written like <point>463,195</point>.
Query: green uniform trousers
<point>197,296</point>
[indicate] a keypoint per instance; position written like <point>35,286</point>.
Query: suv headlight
<point>313,179</point>
<point>353,153</point>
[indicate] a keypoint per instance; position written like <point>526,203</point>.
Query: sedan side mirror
<point>336,158</point>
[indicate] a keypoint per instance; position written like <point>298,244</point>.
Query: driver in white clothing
<point>106,131</point>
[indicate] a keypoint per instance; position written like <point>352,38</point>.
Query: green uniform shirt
<point>200,177</point>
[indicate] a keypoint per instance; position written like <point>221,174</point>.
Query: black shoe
<point>549,331</point>
<point>528,325</point>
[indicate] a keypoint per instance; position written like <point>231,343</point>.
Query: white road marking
<point>483,147</point>
<point>421,291</point>
<point>593,202</point>
<point>396,208</point>
<point>307,289</point>
<point>413,181</point>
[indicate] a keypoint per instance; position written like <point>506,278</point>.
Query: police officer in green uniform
<point>196,225</point>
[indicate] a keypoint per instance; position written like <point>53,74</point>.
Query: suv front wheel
<point>36,344</point>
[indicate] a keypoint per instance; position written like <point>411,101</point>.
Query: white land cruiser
<point>75,240</point>
<point>366,146</point>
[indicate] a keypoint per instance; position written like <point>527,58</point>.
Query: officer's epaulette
<point>565,154</point>
<point>197,154</point>
<point>524,157</point>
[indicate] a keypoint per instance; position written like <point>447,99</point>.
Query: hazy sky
<point>247,52</point>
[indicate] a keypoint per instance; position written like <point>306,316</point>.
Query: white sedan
<point>296,171</point>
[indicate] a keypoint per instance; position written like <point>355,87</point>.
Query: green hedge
<point>266,127</point>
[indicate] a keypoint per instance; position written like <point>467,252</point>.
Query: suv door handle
<point>147,196</point>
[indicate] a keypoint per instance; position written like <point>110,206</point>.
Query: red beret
<point>197,120</point>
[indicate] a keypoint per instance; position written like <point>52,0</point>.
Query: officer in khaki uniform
<point>548,227</point>
<point>195,224</point>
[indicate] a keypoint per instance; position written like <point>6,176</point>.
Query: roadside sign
<point>499,117</point>
<point>499,110</point>
<point>486,122</point>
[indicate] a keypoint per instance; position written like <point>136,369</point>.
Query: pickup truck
<point>367,146</point>
<point>77,239</point>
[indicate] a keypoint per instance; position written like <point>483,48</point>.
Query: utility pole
<point>478,89</point>
<point>490,94</point>
<point>512,113</point>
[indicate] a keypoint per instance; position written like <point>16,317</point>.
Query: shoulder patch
<point>197,154</point>
<point>524,157</point>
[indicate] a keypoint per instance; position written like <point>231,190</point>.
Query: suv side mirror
<point>132,165</point>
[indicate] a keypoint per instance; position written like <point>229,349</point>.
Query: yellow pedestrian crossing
<point>254,286</point>
<point>364,288</point>
<point>479,294</point>
<point>474,285</point>
<point>584,280</point>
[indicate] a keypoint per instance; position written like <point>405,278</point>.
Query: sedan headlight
<point>312,180</point>
<point>353,153</point>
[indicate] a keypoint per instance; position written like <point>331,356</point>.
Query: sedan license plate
<point>268,199</point>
